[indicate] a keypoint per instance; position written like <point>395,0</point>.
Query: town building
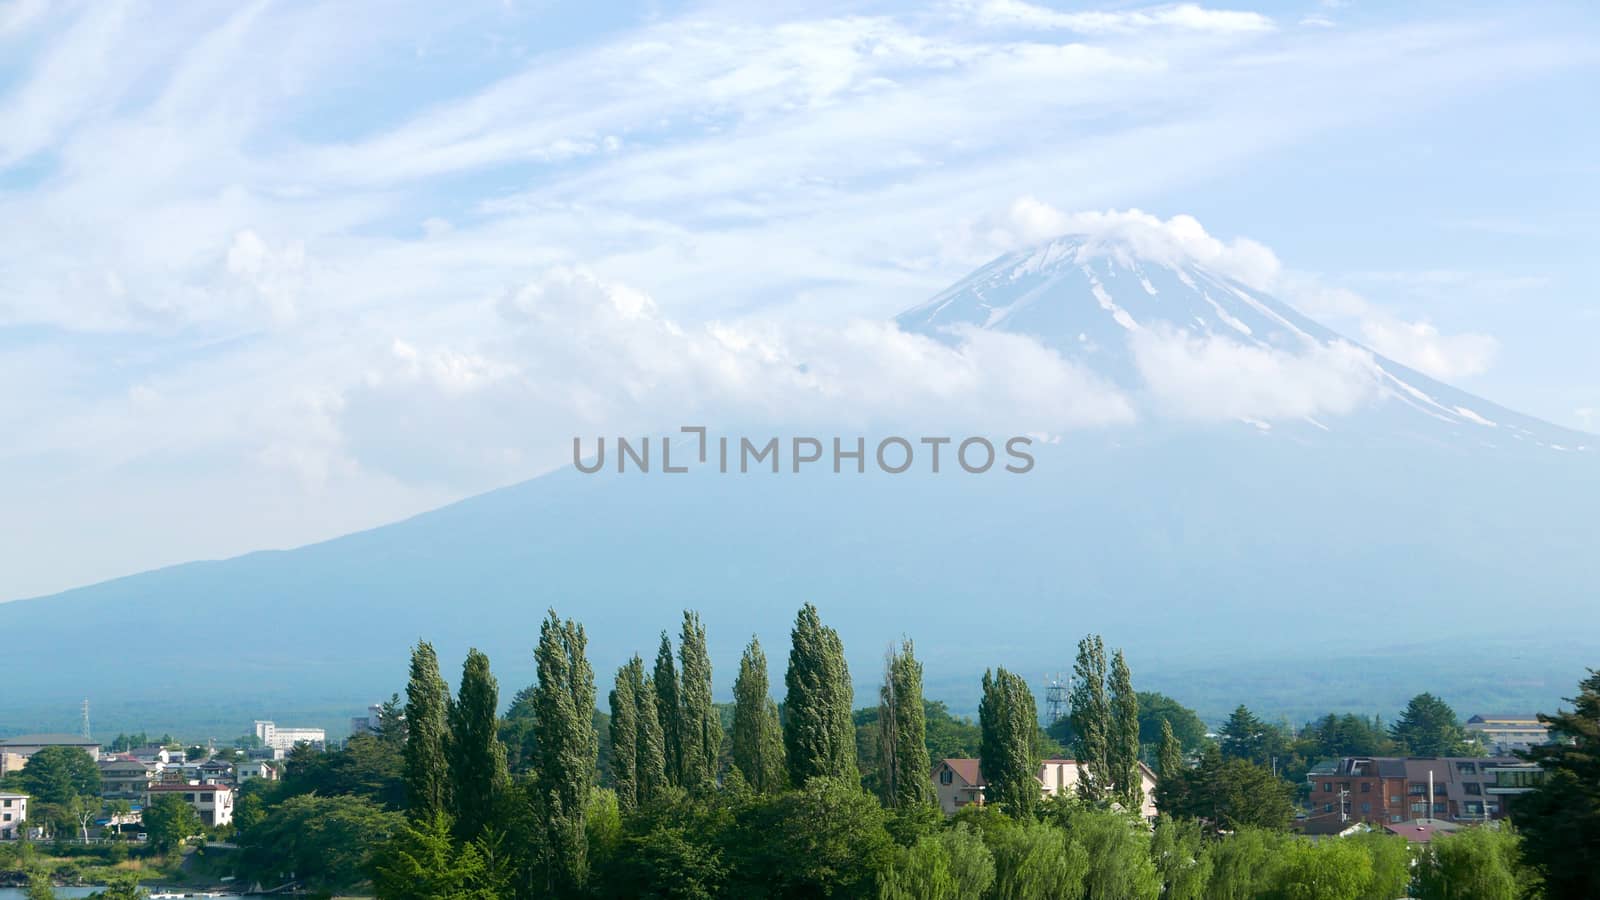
<point>1505,734</point>
<point>960,782</point>
<point>285,739</point>
<point>369,723</point>
<point>214,802</point>
<point>1392,790</point>
<point>13,812</point>
<point>216,771</point>
<point>125,777</point>
<point>253,769</point>
<point>14,752</point>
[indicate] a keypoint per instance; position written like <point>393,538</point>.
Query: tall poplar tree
<point>568,749</point>
<point>1122,752</point>
<point>1091,718</point>
<point>757,738</point>
<point>1169,759</point>
<point>902,732</point>
<point>702,726</point>
<point>818,733</point>
<point>1009,724</point>
<point>477,758</point>
<point>651,767</point>
<point>427,769</point>
<point>625,739</point>
<point>669,709</point>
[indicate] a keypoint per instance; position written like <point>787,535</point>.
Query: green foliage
<point>1391,865</point>
<point>1560,820</point>
<point>1346,735</point>
<point>1177,849</point>
<point>1156,709</point>
<point>1242,864</point>
<point>1117,846</point>
<point>757,740</point>
<point>1328,870</point>
<point>702,728</point>
<point>1473,864</point>
<point>568,749</point>
<point>825,839</point>
<point>951,865</point>
<point>1122,746</point>
<point>421,861</point>
<point>1091,719</point>
<point>1246,737</point>
<point>672,848</point>
<point>949,736</point>
<point>122,886</point>
<point>1429,727</point>
<point>669,707</point>
<point>1227,794</point>
<point>367,766</point>
<point>818,731</point>
<point>58,775</point>
<point>477,758</point>
<point>1169,759</point>
<point>624,700</point>
<point>325,842</point>
<point>427,726</point>
<point>169,821</point>
<point>904,765</point>
<point>1035,861</point>
<point>39,885</point>
<point>1008,754</point>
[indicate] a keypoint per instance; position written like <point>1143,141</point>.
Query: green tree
<point>1330,870</point>
<point>818,730</point>
<point>568,751</point>
<point>904,764</point>
<point>624,701</point>
<point>169,821</point>
<point>39,885</point>
<point>1243,863</point>
<point>1155,709</point>
<point>1246,737</point>
<point>1091,719</point>
<point>1122,748</point>
<point>1177,848</point>
<point>58,775</point>
<point>669,707</point>
<point>1169,760</point>
<point>827,839</point>
<point>1560,819</point>
<point>422,862</point>
<point>650,749</point>
<point>1036,861</point>
<point>121,886</point>
<point>1473,864</point>
<point>478,774</point>
<point>1008,755</point>
<point>326,843</point>
<point>1391,865</point>
<point>702,728</point>
<point>427,768</point>
<point>1227,794</point>
<point>1429,727</point>
<point>757,739</point>
<point>951,865</point>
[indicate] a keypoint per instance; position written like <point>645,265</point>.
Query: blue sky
<point>277,271</point>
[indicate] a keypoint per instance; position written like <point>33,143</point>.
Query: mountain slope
<point>1200,547</point>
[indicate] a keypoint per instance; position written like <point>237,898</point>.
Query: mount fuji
<point>1381,535</point>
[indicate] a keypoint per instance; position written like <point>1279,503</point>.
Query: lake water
<point>63,892</point>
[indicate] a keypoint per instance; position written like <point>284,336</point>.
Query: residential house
<point>13,812</point>
<point>214,802</point>
<point>1505,734</point>
<point>125,777</point>
<point>959,782</point>
<point>216,771</point>
<point>1392,790</point>
<point>253,769</point>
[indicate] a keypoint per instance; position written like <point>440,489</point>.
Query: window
<point>1327,807</point>
<point>1366,808</point>
<point>1418,788</point>
<point>1466,767</point>
<point>189,797</point>
<point>6,804</point>
<point>1394,800</point>
<point>1366,787</point>
<point>1419,808</point>
<point>5,817</point>
<point>1327,786</point>
<point>1472,808</point>
<point>1395,818</point>
<point>1440,808</point>
<point>1473,788</point>
<point>947,777</point>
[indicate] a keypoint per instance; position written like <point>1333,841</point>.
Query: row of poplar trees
<point>1105,725</point>
<point>665,733</point>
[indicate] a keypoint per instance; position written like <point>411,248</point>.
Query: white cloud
<point>1183,16</point>
<point>1421,346</point>
<point>1213,377</point>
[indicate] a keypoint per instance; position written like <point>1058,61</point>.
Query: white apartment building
<point>214,802</point>
<point>13,812</point>
<point>285,739</point>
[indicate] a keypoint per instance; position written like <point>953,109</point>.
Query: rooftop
<point>198,788</point>
<point>48,740</point>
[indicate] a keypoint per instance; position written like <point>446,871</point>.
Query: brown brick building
<point>1384,790</point>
